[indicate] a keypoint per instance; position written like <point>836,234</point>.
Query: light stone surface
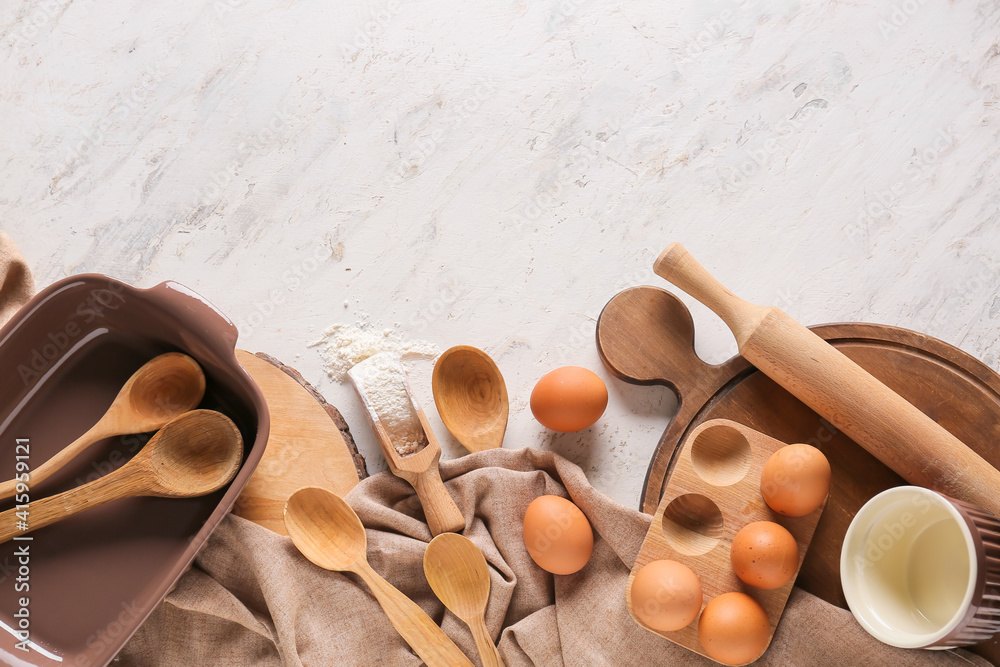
<point>491,173</point>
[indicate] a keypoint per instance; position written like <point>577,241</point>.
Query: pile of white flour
<point>344,346</point>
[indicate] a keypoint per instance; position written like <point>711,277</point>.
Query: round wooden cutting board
<point>309,444</point>
<point>645,335</point>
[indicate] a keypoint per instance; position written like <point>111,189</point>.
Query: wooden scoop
<point>163,388</point>
<point>867,411</point>
<point>196,453</point>
<point>471,397</point>
<point>457,572</point>
<point>419,469</point>
<point>328,532</point>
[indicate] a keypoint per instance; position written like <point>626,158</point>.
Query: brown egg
<point>764,555</point>
<point>734,629</point>
<point>666,595</point>
<point>557,535</point>
<point>569,399</point>
<point>795,480</point>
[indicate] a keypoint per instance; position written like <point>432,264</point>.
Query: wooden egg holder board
<point>705,503</point>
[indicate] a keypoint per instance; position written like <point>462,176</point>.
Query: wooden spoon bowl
<point>457,573</point>
<point>459,576</point>
<point>328,533</point>
<point>194,454</point>
<point>471,397</point>
<point>166,386</point>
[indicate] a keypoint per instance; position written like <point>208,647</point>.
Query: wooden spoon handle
<point>55,464</point>
<point>422,634</point>
<point>46,511</point>
<point>488,652</point>
<point>443,515</point>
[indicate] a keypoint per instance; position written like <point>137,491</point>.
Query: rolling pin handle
<point>676,265</point>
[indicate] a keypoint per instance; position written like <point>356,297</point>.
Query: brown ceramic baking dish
<point>93,579</point>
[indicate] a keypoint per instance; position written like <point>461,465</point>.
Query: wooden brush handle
<point>46,511</point>
<point>849,397</point>
<point>443,515</point>
<point>422,634</point>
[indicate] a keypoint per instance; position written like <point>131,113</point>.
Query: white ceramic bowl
<point>915,572</point>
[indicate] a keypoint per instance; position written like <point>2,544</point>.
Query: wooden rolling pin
<point>836,388</point>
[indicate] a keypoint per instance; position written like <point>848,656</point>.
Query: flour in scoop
<point>380,380</point>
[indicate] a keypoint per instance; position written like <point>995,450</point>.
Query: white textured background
<point>493,172</point>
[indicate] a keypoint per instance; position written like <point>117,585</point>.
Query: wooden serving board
<point>645,335</point>
<point>309,444</point>
<point>714,490</point>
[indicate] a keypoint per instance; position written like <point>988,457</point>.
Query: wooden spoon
<point>194,454</point>
<point>471,397</point>
<point>420,469</point>
<point>458,575</point>
<point>328,532</point>
<point>163,388</point>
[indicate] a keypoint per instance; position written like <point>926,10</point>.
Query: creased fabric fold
<point>17,285</point>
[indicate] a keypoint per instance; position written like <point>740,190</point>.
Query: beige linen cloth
<point>16,282</point>
<point>252,599</point>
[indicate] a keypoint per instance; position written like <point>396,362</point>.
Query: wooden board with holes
<point>713,491</point>
<point>309,444</point>
<point>645,335</point>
